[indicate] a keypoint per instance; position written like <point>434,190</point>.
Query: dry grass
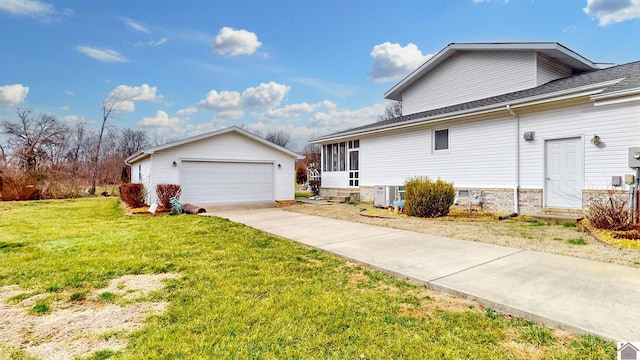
<point>75,328</point>
<point>517,232</point>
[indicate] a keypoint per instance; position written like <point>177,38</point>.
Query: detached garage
<point>222,167</point>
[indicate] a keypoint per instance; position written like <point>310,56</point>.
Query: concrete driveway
<point>565,292</point>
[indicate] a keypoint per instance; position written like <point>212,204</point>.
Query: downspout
<point>516,187</point>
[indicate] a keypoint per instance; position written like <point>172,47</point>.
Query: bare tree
<point>35,139</point>
<point>131,141</point>
<point>109,108</point>
<point>279,137</point>
<point>393,109</point>
<point>311,154</point>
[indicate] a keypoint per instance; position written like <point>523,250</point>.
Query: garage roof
<point>142,154</point>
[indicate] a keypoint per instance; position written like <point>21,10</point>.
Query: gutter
<point>516,186</point>
<point>586,90</point>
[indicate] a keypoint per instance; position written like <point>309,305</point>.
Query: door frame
<point>545,190</point>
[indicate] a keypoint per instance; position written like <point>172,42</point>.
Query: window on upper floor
<point>441,140</point>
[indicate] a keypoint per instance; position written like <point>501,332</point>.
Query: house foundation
<point>500,200</point>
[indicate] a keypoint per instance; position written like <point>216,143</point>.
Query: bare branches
<point>35,139</point>
<point>392,110</point>
<point>279,137</point>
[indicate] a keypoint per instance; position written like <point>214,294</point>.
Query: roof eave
<point>588,90</point>
<point>148,152</point>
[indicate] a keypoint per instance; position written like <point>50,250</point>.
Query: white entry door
<point>563,173</point>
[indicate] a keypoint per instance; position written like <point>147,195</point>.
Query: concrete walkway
<point>560,291</point>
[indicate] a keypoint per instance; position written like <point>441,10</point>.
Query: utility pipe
<point>516,187</point>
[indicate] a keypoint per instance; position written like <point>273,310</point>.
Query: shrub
<point>166,192</point>
<point>611,213</point>
<point>315,187</point>
<point>426,198</point>
<point>132,194</point>
<point>301,174</point>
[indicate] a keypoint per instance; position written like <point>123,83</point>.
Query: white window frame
<point>433,139</point>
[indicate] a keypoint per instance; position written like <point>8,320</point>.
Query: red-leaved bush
<point>610,213</point>
<point>132,194</point>
<point>166,192</point>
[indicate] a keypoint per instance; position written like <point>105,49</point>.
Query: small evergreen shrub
<point>427,198</point>
<point>132,194</point>
<point>166,192</point>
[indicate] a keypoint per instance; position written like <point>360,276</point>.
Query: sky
<point>308,68</point>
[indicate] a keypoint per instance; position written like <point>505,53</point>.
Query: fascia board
<point>587,90</point>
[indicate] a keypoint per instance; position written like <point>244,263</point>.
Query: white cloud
<point>393,62</point>
<point>161,119</point>
<point>125,96</point>
<point>69,92</point>
<point>151,43</point>
<point>64,108</point>
<point>187,111</point>
<point>265,95</point>
<point>342,119</point>
<point>296,110</point>
<point>321,123</point>
<point>221,101</point>
<point>135,25</point>
<point>11,95</point>
<point>104,55</point>
<point>235,42</point>
<point>613,11</point>
<point>32,8</point>
<point>73,120</point>
<point>229,115</point>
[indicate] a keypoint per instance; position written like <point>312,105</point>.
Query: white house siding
<point>617,125</point>
<point>141,174</point>
<point>549,69</point>
<point>336,179</point>
<point>480,155</point>
<point>468,76</point>
<point>225,147</point>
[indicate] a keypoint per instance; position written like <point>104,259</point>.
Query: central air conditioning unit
<point>385,195</point>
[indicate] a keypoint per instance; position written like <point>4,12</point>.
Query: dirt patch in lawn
<point>516,232</point>
<point>76,324</point>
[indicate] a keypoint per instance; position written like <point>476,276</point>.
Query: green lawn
<point>244,294</point>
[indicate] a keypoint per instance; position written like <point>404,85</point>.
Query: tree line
<point>42,157</point>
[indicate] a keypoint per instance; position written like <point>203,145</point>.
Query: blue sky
<point>308,68</point>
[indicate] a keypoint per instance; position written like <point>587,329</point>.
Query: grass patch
<point>534,222</point>
<point>41,307</point>
<point>78,296</point>
<point>247,294</point>
<point>569,224</point>
<point>304,194</point>
<point>577,241</point>
<point>108,296</point>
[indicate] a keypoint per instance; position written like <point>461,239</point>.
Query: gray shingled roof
<point>630,73</point>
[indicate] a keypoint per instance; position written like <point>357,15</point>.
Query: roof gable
<point>551,50</point>
<point>148,152</point>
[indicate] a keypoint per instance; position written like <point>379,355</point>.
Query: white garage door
<point>211,182</point>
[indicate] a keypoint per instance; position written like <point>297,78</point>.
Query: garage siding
<point>215,182</point>
<point>231,147</point>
